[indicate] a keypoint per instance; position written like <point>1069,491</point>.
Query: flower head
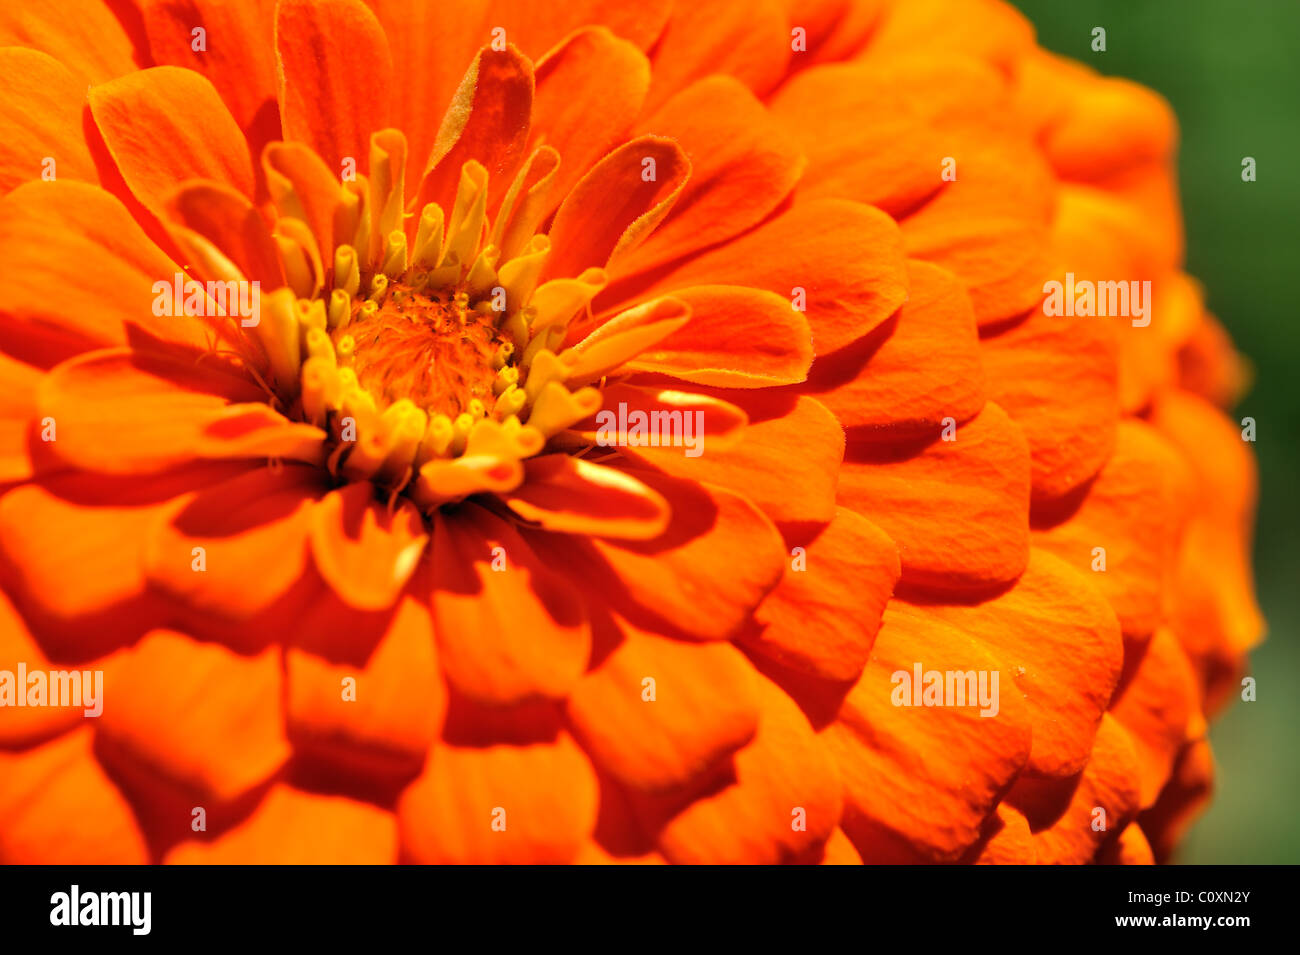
<point>414,415</point>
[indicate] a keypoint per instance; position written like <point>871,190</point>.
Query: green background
<point>1231,69</point>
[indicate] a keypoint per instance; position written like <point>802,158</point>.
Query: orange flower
<point>325,347</point>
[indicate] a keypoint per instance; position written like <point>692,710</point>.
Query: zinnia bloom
<point>364,578</point>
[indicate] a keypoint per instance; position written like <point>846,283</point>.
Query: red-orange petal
<point>1057,638</point>
<point>920,780</point>
<point>509,627</point>
<point>59,807</point>
<point>487,121</point>
<point>390,713</point>
<point>1156,705</point>
<point>249,536</point>
<point>1135,511</point>
<point>335,75</point>
<point>165,125</point>
<point>689,575</point>
<point>959,509</point>
<point>41,119</point>
<point>783,797</point>
<point>1056,375</point>
<point>742,166</point>
<point>79,239</point>
<point>750,42</point>
<point>292,827</point>
<point>198,715</point>
<point>921,366</point>
<point>841,261</point>
<point>790,442</point>
<point>658,712</point>
<point>823,617</point>
<point>570,495</point>
<point>617,204</point>
<point>84,35</point>
<point>533,804</point>
<point>124,412</point>
<point>582,119</point>
<point>364,549</point>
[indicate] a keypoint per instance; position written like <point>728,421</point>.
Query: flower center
<point>433,350</point>
<point>428,357</point>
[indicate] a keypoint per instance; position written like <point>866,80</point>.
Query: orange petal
<point>921,366</point>
<point>1111,124</point>
<point>1006,840</point>
<point>487,122</point>
<point>839,850</point>
<point>616,205</point>
<point>235,56</point>
<point>165,125</point>
<point>79,239</point>
<point>202,717</point>
<point>742,166</point>
<point>536,29</point>
<point>364,550</point>
<point>563,493</point>
<point>1056,375</point>
<point>721,422</point>
<point>431,42</point>
<point>1182,799</point>
<point>24,726</point>
<point>1057,637</point>
<point>783,799</point>
<point>335,77</point>
<point>531,804</point>
<point>790,442</point>
<point>396,702</point>
<point>124,412</point>
<point>919,780</point>
<point>43,533</point>
<point>959,509</point>
<point>40,119</point>
<point>750,42</point>
<point>736,338</point>
<point>84,35</point>
<point>236,547</point>
<point>611,344</point>
<point>1002,260</point>
<point>1129,848</point>
<point>582,119</point>
<point>304,188</point>
<point>1156,705</point>
<point>688,576</point>
<point>1214,609</point>
<point>230,222</point>
<point>842,261</point>
<point>292,827</point>
<point>993,31</point>
<point>509,634</point>
<point>58,807</point>
<point>823,617</point>
<point>658,712</point>
<point>864,137</point>
<point>1074,835</point>
<point>1134,511</point>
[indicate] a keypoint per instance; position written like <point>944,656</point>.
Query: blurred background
<point>1232,72</point>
